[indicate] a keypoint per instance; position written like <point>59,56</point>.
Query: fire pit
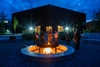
<point>47,51</point>
<point>47,48</point>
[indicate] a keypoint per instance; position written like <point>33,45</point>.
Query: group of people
<point>37,36</point>
<point>76,39</point>
<point>50,37</point>
<point>40,38</point>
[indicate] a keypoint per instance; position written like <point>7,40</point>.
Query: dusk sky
<point>85,6</point>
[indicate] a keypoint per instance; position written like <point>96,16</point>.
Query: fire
<point>48,43</point>
<point>47,50</point>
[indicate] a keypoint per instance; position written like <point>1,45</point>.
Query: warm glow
<point>35,49</point>
<point>47,50</point>
<point>48,43</point>
<point>48,28</point>
<point>60,28</point>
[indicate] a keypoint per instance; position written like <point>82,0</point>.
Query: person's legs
<point>34,41</point>
<point>37,41</point>
<point>56,41</point>
<point>77,45</point>
<point>68,42</point>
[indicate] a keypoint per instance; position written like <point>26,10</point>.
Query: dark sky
<point>85,6</point>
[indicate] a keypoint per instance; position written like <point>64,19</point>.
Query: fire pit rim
<point>26,52</point>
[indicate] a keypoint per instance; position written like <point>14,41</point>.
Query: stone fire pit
<point>47,51</point>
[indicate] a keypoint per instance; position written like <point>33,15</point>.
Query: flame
<point>47,50</point>
<point>48,43</point>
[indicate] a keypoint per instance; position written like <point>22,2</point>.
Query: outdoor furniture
<point>12,38</point>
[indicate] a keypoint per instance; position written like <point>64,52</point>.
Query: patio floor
<point>87,56</point>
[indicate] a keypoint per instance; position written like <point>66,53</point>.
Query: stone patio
<point>87,56</point>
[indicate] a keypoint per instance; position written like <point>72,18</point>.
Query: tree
<point>2,16</point>
<point>2,19</point>
<point>96,17</point>
<point>15,24</point>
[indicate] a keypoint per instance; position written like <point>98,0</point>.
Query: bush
<point>71,35</point>
<point>2,28</point>
<point>27,35</point>
<point>62,35</point>
<point>92,30</point>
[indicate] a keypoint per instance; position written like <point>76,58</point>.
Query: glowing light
<point>5,21</point>
<point>60,49</point>
<point>7,30</point>
<point>47,50</point>
<point>48,43</point>
<point>30,28</point>
<point>66,28</point>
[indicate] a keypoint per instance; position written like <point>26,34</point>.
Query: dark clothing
<point>42,37</point>
<point>56,38</point>
<point>36,39</point>
<point>67,39</point>
<point>77,38</point>
<point>68,42</point>
<point>56,41</point>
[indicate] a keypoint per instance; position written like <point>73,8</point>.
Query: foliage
<point>62,35</point>
<point>92,30</point>
<point>86,31</point>
<point>71,34</point>
<point>27,35</point>
<point>2,16</point>
<point>15,24</point>
<point>96,17</point>
<point>2,28</point>
<point>2,19</point>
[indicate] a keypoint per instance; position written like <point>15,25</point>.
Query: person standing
<point>67,39</point>
<point>56,37</point>
<point>42,37</point>
<point>50,36</point>
<point>76,39</point>
<point>36,38</point>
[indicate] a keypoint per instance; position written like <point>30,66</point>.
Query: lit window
<point>60,28</point>
<point>48,28</point>
<point>37,29</point>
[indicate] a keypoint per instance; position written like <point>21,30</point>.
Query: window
<point>37,29</point>
<point>48,28</point>
<point>60,28</point>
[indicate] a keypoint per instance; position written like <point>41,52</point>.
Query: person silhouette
<point>50,36</point>
<point>67,39</point>
<point>36,38</point>
<point>42,37</point>
<point>76,39</point>
<point>56,37</point>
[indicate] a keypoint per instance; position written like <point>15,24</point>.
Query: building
<point>49,17</point>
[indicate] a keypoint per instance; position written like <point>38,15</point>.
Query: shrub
<point>27,35</point>
<point>71,35</point>
<point>2,28</point>
<point>62,35</point>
